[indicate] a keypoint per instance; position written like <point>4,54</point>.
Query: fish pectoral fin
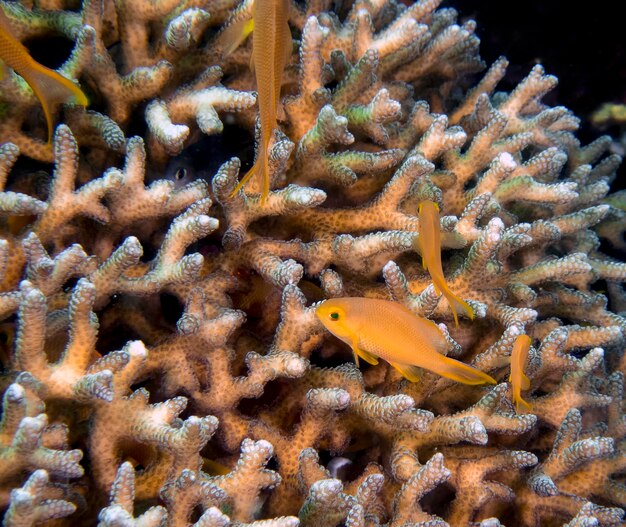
<point>525,384</point>
<point>408,371</point>
<point>358,352</point>
<point>356,357</point>
<point>367,357</point>
<point>460,372</point>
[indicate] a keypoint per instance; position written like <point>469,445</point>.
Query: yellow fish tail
<point>266,174</point>
<point>460,372</point>
<point>457,304</point>
<point>520,402</point>
<point>525,382</point>
<point>52,89</point>
<point>261,165</point>
<point>245,179</point>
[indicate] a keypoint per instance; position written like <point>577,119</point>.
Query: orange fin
<point>412,373</point>
<point>520,402</point>
<point>52,89</point>
<point>524,382</point>
<point>367,357</point>
<point>460,372</point>
<point>456,304</point>
<point>245,178</point>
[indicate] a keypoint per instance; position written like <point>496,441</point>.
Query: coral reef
<point>162,360</point>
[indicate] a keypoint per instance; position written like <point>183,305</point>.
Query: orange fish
<point>519,381</point>
<point>50,88</point>
<point>380,328</point>
<point>271,49</point>
<point>428,245</point>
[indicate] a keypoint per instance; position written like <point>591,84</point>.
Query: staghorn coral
<point>163,363</point>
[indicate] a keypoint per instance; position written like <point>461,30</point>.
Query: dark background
<point>584,48</point>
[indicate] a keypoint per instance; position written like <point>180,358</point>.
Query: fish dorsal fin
<point>412,373</point>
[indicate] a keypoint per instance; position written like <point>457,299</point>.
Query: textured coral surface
<point>162,360</point>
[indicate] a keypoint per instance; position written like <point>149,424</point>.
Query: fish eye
<point>181,173</point>
<point>334,315</point>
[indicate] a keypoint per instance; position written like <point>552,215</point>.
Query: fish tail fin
<point>247,177</point>
<point>52,89</point>
<point>519,402</point>
<point>412,373</point>
<point>460,372</point>
<point>266,174</point>
<point>260,165</point>
<point>456,304</point>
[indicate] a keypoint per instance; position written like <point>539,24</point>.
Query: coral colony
<point>169,346</point>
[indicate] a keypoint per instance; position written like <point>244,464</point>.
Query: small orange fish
<point>519,381</point>
<point>381,328</point>
<point>50,88</point>
<point>428,244</point>
<point>271,49</point>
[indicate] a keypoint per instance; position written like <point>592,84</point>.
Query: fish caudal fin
<point>457,304</point>
<point>52,89</point>
<point>521,404</point>
<point>245,178</point>
<point>525,382</point>
<point>260,165</point>
<point>459,371</point>
<point>412,373</point>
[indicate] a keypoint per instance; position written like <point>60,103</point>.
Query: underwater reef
<point>163,358</point>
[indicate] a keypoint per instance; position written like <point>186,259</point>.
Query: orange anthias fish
<point>271,49</point>
<point>428,244</point>
<point>519,381</point>
<point>50,88</point>
<point>381,328</point>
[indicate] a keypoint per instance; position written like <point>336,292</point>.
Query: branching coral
<point>163,361</point>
